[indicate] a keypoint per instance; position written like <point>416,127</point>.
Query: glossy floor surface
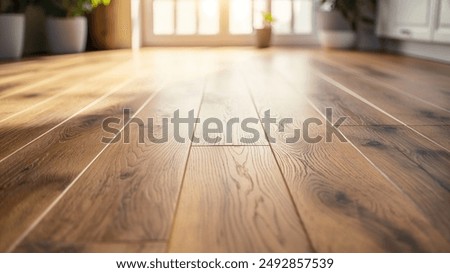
<point>361,162</point>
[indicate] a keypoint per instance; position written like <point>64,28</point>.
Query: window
<point>293,16</point>
<point>223,22</point>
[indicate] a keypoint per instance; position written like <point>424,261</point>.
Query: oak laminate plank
<point>296,73</point>
<point>408,66</point>
<point>438,134</point>
<point>125,200</point>
<point>40,64</point>
<point>19,131</point>
<point>418,167</point>
<point>130,191</point>
<point>346,204</point>
<point>226,98</point>
<point>137,174</point>
<point>235,200</point>
<point>52,71</point>
<point>404,108</point>
<point>137,247</point>
<point>370,108</point>
<point>415,114</point>
<point>20,69</point>
<point>45,176</point>
<point>427,86</point>
<point>17,104</point>
<point>35,176</point>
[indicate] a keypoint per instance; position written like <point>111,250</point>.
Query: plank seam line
<point>231,145</point>
<point>8,78</point>
<point>387,85</point>
<point>357,149</point>
<point>113,242</point>
<point>112,91</point>
<point>57,95</point>
<point>63,193</point>
<point>177,205</point>
<point>408,198</point>
<point>42,82</point>
<point>294,204</point>
<point>31,70</point>
<point>350,92</point>
<point>395,125</point>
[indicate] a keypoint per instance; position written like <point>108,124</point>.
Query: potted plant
<point>264,34</point>
<point>12,28</point>
<point>66,26</point>
<point>339,20</point>
<point>110,27</point>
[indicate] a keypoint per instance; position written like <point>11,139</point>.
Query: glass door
<point>224,22</point>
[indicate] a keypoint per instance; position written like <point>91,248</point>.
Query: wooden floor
<point>381,186</point>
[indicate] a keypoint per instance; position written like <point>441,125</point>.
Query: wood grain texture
<point>17,104</point>
<point>429,83</point>
<point>326,178</point>
<point>235,200</point>
<point>338,192</point>
<point>14,70</point>
<point>381,188</point>
<point>36,175</point>
<point>296,72</point>
<point>227,98</point>
<point>366,104</point>
<point>134,186</point>
<point>48,72</point>
<point>406,67</point>
<point>141,247</point>
<point>19,131</point>
<point>438,134</point>
<point>418,167</point>
<point>407,109</point>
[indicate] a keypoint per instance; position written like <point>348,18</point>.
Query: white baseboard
<point>430,51</point>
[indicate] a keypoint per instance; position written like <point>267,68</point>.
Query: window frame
<point>223,38</point>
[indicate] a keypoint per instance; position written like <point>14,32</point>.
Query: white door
<point>225,22</point>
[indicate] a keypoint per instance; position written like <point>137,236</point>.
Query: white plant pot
<point>66,35</point>
<point>341,39</point>
<point>12,31</point>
